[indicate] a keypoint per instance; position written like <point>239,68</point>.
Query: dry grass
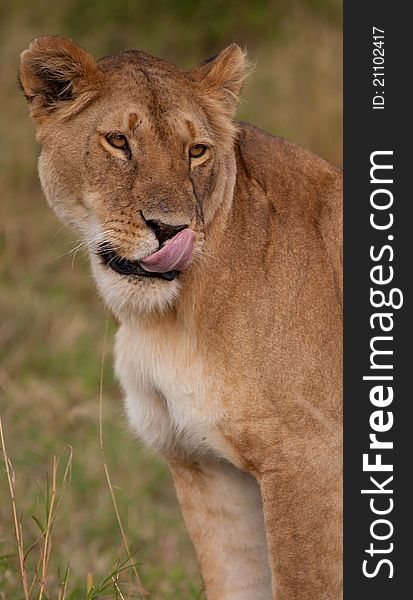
<point>35,584</point>
<point>52,325</point>
<point>36,579</point>
<point>18,531</point>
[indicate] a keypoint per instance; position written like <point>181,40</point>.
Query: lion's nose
<point>164,231</point>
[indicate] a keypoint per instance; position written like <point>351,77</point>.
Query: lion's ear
<point>56,74</point>
<point>222,76</point>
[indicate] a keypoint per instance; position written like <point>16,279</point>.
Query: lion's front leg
<point>303,519</point>
<point>223,513</point>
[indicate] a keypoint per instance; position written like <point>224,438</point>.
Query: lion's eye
<point>197,151</point>
<point>117,140</point>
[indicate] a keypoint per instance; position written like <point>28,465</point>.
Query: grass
<point>38,583</point>
<point>52,329</point>
<point>29,558</point>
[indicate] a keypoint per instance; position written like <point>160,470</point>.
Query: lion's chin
<point>130,294</point>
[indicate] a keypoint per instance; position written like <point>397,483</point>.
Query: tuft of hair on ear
<point>219,80</point>
<point>55,73</point>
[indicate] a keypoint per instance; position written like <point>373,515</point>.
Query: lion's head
<point>137,156</point>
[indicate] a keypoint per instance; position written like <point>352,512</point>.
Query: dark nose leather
<point>164,231</point>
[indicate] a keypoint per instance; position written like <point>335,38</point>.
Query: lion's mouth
<point>166,263</point>
<point>123,266</point>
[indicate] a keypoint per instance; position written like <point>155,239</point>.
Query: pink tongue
<point>174,256</point>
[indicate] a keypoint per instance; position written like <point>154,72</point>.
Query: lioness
<point>218,249</point>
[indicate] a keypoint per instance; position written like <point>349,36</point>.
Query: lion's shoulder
<point>276,161</point>
<point>295,184</point>
<point>291,177</point>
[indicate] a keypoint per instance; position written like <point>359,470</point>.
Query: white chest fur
<point>172,399</point>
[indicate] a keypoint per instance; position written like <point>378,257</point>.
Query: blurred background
<point>52,324</point>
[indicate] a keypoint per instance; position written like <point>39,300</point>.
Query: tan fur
<point>233,370</point>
